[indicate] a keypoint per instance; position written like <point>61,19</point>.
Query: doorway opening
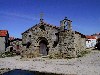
<point>43,47</point>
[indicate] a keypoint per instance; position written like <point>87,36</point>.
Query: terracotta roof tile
<point>90,37</point>
<point>3,32</point>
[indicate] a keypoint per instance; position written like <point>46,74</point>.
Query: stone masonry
<point>4,35</point>
<point>45,39</point>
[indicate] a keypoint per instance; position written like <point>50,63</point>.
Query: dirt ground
<point>87,65</point>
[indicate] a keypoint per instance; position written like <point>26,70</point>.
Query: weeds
<point>7,54</point>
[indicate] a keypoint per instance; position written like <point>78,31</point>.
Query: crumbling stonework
<point>46,39</point>
<point>15,45</point>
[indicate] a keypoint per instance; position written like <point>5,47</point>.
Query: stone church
<point>47,38</point>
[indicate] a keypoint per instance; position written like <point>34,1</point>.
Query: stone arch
<point>42,43</point>
<point>41,38</point>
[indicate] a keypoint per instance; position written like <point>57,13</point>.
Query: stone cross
<point>41,17</point>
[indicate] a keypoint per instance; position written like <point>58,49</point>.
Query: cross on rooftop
<point>41,17</point>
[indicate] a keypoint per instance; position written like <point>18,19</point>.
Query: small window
<point>42,27</point>
<point>29,35</point>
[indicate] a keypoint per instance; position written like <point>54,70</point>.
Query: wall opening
<point>43,47</point>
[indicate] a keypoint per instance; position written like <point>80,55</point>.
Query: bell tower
<point>69,26</point>
<point>65,23</point>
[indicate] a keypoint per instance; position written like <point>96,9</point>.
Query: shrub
<point>7,54</point>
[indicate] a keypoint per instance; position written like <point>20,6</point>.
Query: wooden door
<point>43,49</point>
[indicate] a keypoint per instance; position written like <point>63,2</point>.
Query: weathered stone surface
<point>54,40</point>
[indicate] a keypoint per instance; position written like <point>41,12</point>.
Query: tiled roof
<point>3,32</point>
<point>90,37</point>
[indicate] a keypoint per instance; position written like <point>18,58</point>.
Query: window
<point>29,35</point>
<point>29,38</point>
<point>42,27</point>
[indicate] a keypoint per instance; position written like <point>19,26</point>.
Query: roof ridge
<point>44,23</point>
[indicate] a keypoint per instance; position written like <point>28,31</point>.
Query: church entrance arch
<point>43,42</point>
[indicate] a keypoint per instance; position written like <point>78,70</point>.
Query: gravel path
<point>87,65</point>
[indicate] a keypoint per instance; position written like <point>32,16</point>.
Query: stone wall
<point>66,43</point>
<point>83,41</point>
<point>79,43</point>
<point>15,44</point>
<point>2,44</point>
<point>59,40</point>
<point>24,37</point>
<point>71,43</point>
<point>37,34</point>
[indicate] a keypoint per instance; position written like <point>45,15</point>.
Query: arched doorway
<point>43,47</point>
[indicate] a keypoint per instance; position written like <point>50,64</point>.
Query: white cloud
<point>20,16</point>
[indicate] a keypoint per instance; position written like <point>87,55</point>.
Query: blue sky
<point>18,15</point>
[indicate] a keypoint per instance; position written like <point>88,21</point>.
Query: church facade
<point>45,39</point>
